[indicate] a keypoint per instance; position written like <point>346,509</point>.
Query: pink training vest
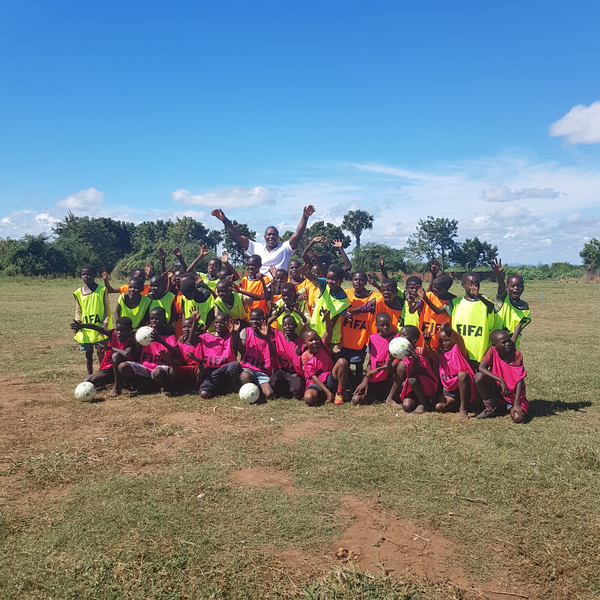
<point>379,349</point>
<point>512,375</point>
<point>426,376</point>
<point>256,356</point>
<point>216,350</point>
<point>286,351</point>
<point>319,364</point>
<point>150,355</point>
<point>185,348</point>
<point>115,343</point>
<point>451,364</point>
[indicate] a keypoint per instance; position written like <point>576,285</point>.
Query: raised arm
<point>179,256</point>
<point>226,263</point>
<point>313,255</point>
<point>203,253</point>
<point>109,288</point>
<point>384,273</point>
<point>242,240</point>
<point>306,213</point>
<point>162,258</point>
<point>500,273</point>
<point>438,310</point>
<point>434,269</point>
<point>339,246</point>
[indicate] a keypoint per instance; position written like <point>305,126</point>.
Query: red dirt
<point>308,428</point>
<point>260,477</point>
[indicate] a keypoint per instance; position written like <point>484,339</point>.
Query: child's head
<point>359,281</point>
<point>471,282</point>
<point>288,293</point>
<point>441,284</point>
<point>88,274</point>
<point>294,267</point>
<point>135,287</point>
<point>138,274</point>
<point>502,342</point>
<point>221,324</point>
<point>288,324</point>
<point>311,340</point>
<point>515,286</point>
<point>315,271</point>
<point>123,327</point>
<point>413,283</point>
<point>186,326</point>
<point>411,333</point>
<point>157,287</point>
<point>254,264</point>
<point>224,288</point>
<point>281,276</point>
<point>213,267</point>
<point>325,259</point>
<point>389,289</point>
<point>158,317</point>
<point>223,273</point>
<point>188,288</point>
<point>383,323</point>
<point>335,276</point>
<point>447,341</point>
<point>256,318</point>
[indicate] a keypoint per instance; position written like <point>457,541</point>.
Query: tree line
<point>120,246</point>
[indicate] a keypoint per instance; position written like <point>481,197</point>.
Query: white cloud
<point>501,193</point>
<point>227,198</point>
<point>581,125</point>
<point>85,201</point>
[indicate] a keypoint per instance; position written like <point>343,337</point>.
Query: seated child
<point>189,374</point>
<point>91,307</point>
<point>218,353</point>
<point>255,283</point>
<point>153,361</point>
<point>133,304</point>
<point>501,379</point>
<point>456,373</point>
<point>287,306</point>
<point>121,343</point>
<point>356,328</point>
<point>288,380</point>
<point>414,378</point>
<point>436,298</point>
<point>258,355</point>
<point>161,298</point>
<point>390,301</point>
<point>323,378</point>
<point>514,313</point>
<point>377,382</point>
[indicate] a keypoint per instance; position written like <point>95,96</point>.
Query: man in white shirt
<point>271,252</point>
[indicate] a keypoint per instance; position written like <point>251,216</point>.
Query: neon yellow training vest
<point>510,317</point>
<point>237,311</point>
<point>408,318</point>
<point>335,306</point>
<point>297,318</point>
<point>92,312</point>
<point>135,314</point>
<point>472,321</point>
<point>165,302</point>
<point>203,308</point>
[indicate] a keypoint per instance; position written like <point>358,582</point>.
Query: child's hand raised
<point>434,268</point>
<point>337,244</point>
<point>177,252</point>
<point>195,315</point>
<point>496,265</point>
<point>427,338</point>
<point>76,326</point>
<point>235,324</point>
<point>320,239</point>
<point>421,292</point>
<point>273,271</point>
<point>104,274</point>
<point>381,262</point>
<point>371,278</point>
<point>148,269</point>
<point>162,254</point>
<point>224,256</point>
<point>326,316</point>
<point>447,327</point>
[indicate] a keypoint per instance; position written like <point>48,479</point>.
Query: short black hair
<point>413,279</point>
<point>389,281</point>
<point>258,311</point>
<point>470,274</point>
<point>337,271</point>
<point>90,268</point>
<point>444,281</point>
<point>125,321</point>
<point>288,287</point>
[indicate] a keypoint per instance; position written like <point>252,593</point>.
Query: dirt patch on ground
<point>376,540</point>
<point>260,477</point>
<point>308,428</point>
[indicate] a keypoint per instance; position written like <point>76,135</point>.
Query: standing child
<point>133,305</point>
<point>233,303</point>
<point>323,378</point>
<point>142,274</point>
<point>91,307</point>
<point>255,283</point>
<point>501,379</point>
<point>161,298</point>
<point>514,313</point>
<point>377,382</point>
<point>390,301</point>
<point>435,299</point>
<point>192,299</point>
<point>121,343</point>
<point>413,305</point>
<point>287,380</point>
<point>258,357</point>
<point>287,306</point>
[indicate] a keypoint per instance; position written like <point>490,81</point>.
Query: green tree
<point>356,221</point>
<point>31,255</point>
<point>320,229</point>
<point>237,254</point>
<point>366,258</point>
<point>434,239</point>
<point>591,253</point>
<point>473,252</point>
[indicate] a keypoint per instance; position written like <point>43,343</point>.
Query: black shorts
<point>287,384</point>
<point>331,384</point>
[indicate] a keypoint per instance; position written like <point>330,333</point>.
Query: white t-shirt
<point>279,257</point>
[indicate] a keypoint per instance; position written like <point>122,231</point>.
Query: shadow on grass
<point>548,408</point>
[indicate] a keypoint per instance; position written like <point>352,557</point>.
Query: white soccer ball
<point>249,392</point>
<point>143,336</point>
<point>399,347</point>
<point>85,391</point>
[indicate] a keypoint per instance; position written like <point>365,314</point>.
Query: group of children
<point>299,333</point>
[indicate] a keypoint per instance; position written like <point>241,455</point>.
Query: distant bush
<point>557,270</point>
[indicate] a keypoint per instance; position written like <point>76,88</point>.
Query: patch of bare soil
<point>260,477</point>
<point>376,540</point>
<point>307,428</point>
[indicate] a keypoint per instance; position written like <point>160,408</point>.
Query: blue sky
<point>487,113</point>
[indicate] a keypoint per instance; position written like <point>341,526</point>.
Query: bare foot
<point>462,415</point>
<point>114,393</point>
<point>204,395</point>
<point>391,402</point>
<point>419,410</point>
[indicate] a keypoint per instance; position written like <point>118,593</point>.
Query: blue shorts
<point>331,384</point>
<point>258,377</point>
<point>354,357</point>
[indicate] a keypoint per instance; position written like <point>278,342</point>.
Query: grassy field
<point>169,497</point>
